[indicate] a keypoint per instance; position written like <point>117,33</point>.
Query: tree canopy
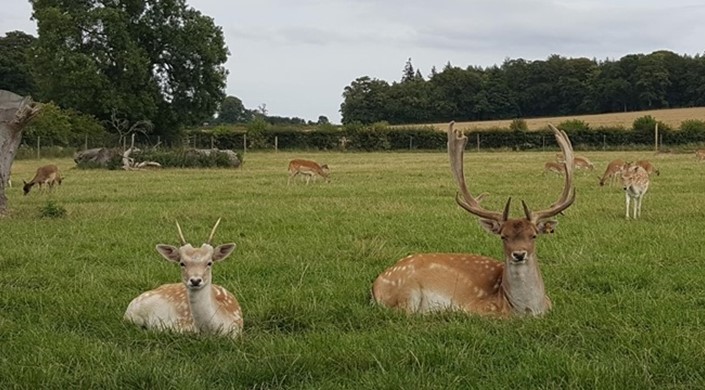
<point>153,60</point>
<point>15,74</point>
<point>520,88</point>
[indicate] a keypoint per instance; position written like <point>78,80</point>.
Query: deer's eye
<point>533,236</point>
<point>182,264</point>
<point>210,263</point>
<point>504,238</point>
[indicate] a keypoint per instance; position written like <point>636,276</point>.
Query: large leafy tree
<point>232,110</point>
<point>156,60</point>
<point>15,74</point>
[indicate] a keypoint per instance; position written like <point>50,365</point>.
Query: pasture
<point>629,296</point>
<point>672,117</point>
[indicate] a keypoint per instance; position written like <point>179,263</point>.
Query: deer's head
<point>196,263</point>
<point>518,235</point>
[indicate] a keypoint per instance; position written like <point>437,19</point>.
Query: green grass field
<point>629,296</point>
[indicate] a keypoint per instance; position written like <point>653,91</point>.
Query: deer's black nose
<point>195,282</point>
<point>519,255</point>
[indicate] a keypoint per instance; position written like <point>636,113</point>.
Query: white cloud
<point>297,56</point>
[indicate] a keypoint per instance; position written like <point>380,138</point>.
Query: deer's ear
<point>223,251</point>
<point>490,225</point>
<point>547,227</point>
<point>171,253</point>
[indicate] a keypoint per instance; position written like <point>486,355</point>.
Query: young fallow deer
<point>307,168</point>
<point>612,172</point>
<point>635,181</point>
<point>196,305</point>
<point>474,283</point>
<point>47,174</point>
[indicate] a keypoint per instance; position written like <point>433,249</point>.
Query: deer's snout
<point>518,256</point>
<point>195,282</point>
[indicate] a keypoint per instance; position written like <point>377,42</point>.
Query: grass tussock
<point>629,296</point>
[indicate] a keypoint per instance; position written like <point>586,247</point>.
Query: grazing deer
<point>474,283</point>
<point>48,174</point>
<point>635,181</point>
<point>195,305</point>
<point>553,167</point>
<point>614,168</point>
<point>307,168</point>
<point>648,167</point>
<point>700,154</point>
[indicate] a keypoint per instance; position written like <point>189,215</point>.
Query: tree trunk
<point>15,112</point>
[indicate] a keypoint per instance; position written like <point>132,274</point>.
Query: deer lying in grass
<point>474,283</point>
<point>307,168</point>
<point>48,174</point>
<point>195,305</point>
<point>554,167</point>
<point>580,162</point>
<point>700,154</point>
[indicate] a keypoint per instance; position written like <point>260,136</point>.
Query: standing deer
<point>48,174</point>
<point>700,154</point>
<point>614,168</point>
<point>307,168</point>
<point>195,305</point>
<point>635,181</point>
<point>474,283</point>
<point>648,167</point>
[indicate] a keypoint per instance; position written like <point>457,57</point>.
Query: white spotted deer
<point>635,181</point>
<point>195,305</point>
<point>474,283</point>
<point>47,174</point>
<point>307,168</point>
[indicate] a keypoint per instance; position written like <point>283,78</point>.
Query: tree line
<point>520,88</point>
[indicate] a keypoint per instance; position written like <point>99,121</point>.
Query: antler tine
<point>568,195</point>
<point>210,238</point>
<point>181,234</point>
<point>456,148</point>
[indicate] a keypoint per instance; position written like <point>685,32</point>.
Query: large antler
<point>456,148</point>
<point>568,195</point>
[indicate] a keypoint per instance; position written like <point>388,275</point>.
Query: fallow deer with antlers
<point>195,305</point>
<point>474,283</point>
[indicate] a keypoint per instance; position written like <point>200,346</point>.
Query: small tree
<point>124,129</point>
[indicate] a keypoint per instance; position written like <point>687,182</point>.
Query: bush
<point>186,158</point>
<point>52,210</point>
<point>518,125</point>
<point>572,125</point>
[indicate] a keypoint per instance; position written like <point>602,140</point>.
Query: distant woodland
<point>520,88</point>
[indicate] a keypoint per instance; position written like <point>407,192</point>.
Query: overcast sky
<point>297,56</point>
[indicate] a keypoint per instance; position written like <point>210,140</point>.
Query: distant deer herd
<point>418,283</point>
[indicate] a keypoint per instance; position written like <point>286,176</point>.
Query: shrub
<point>52,210</point>
<point>518,125</point>
<point>573,125</point>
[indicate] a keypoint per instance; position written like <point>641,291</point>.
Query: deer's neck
<point>523,288</point>
<point>203,307</point>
